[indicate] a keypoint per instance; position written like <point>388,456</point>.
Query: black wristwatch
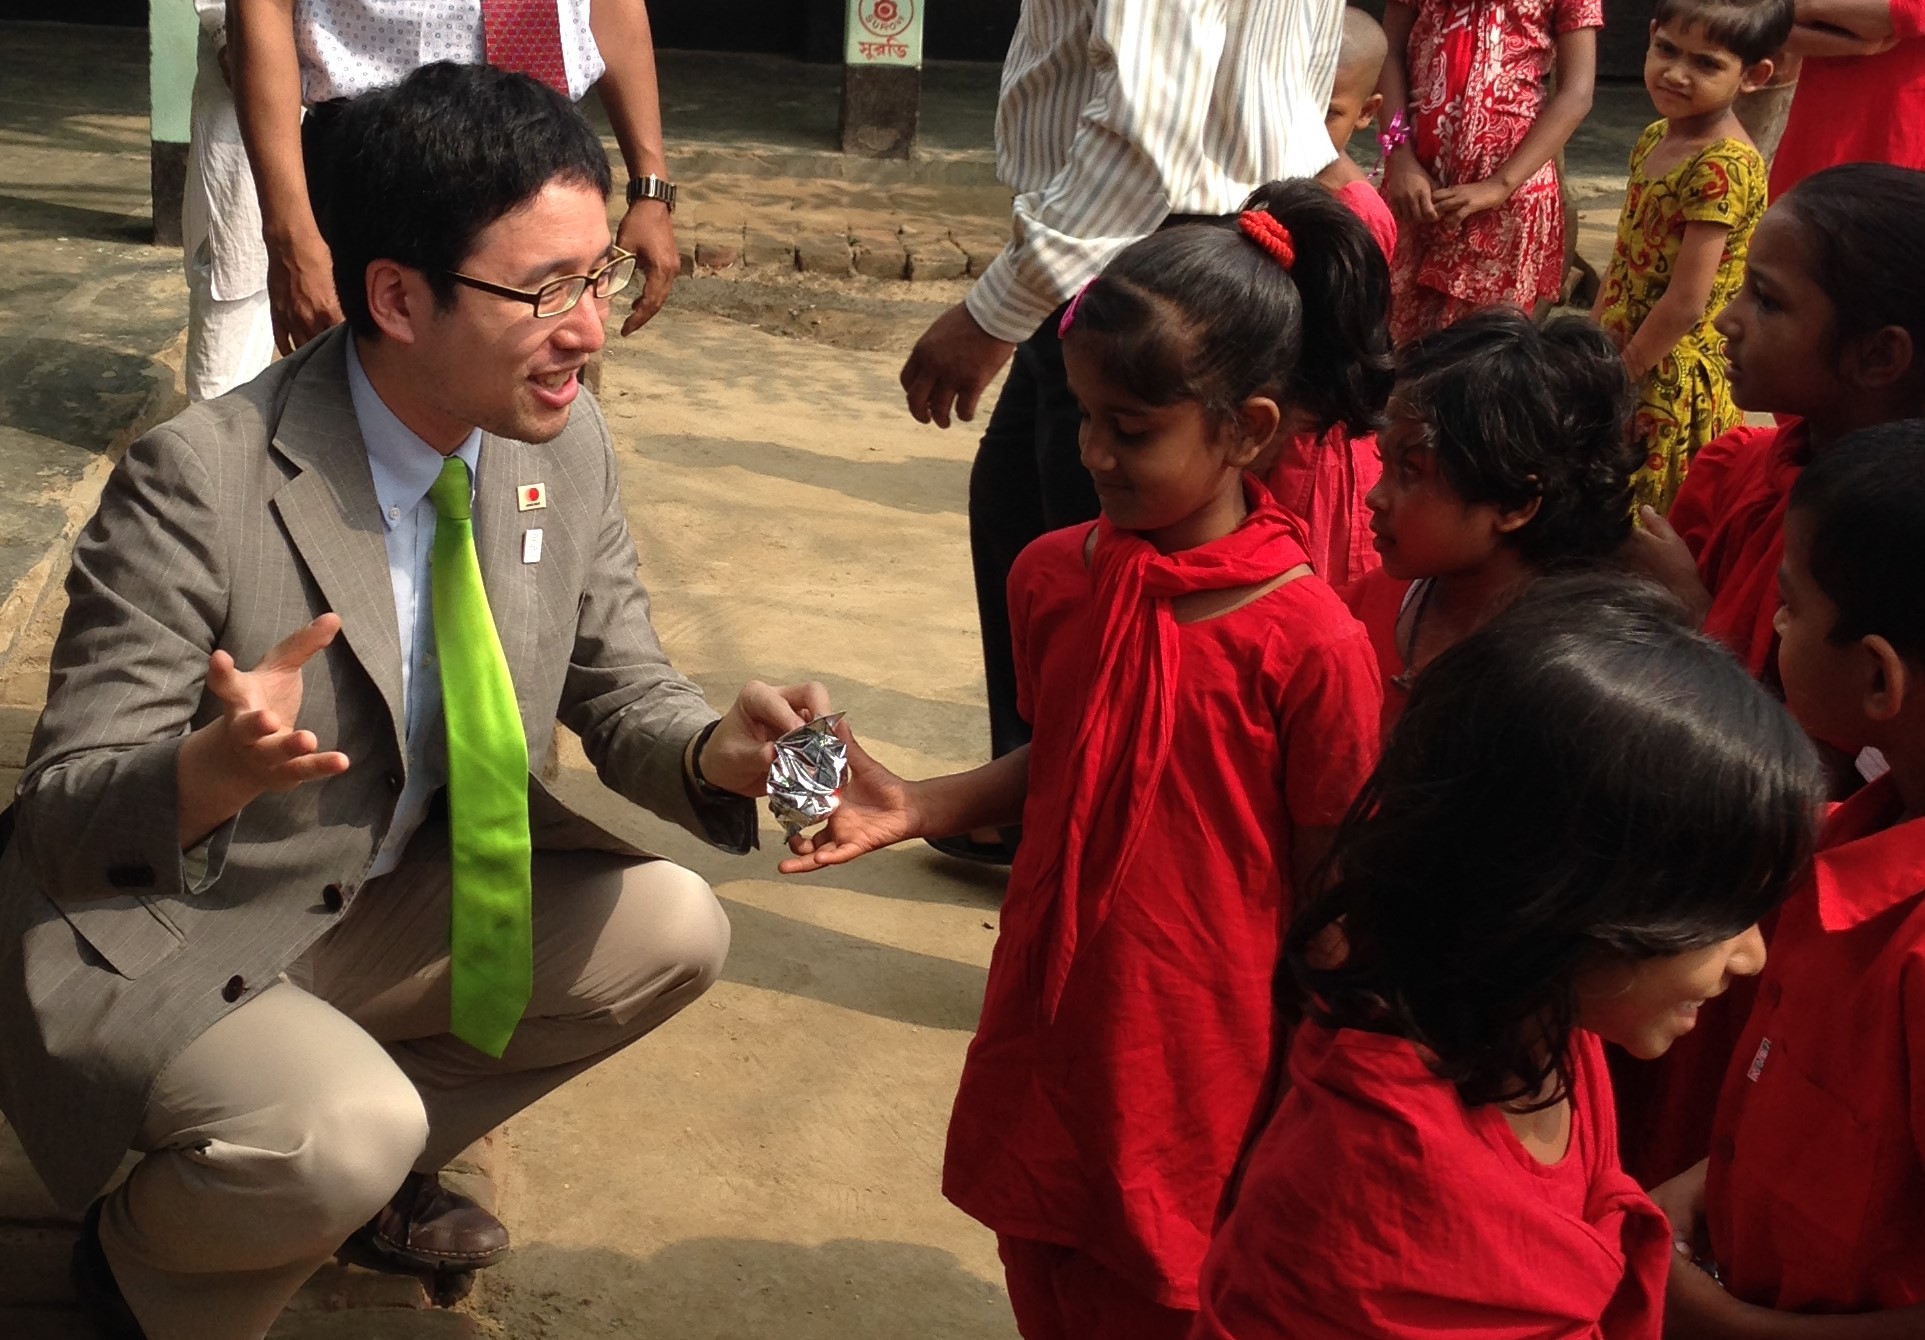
<point>652,187</point>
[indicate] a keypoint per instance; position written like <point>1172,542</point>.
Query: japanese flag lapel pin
<point>528,497</point>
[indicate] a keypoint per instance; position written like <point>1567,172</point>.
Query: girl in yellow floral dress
<point>1697,190</point>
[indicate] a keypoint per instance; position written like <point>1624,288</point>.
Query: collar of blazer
<point>333,518</point>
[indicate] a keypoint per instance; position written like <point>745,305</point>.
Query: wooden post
<point>881,77</point>
<point>173,32</point>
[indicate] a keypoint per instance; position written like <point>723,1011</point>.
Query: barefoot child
<point>1697,190</point>
<point>1814,1193</point>
<point>1504,455</point>
<point>1479,217</point>
<point>1571,837</point>
<point>1204,710</point>
<point>1321,474</point>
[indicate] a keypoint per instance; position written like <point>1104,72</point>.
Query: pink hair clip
<point>1269,232</point>
<point>1069,312</point>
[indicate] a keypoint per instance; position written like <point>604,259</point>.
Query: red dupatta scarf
<point>1123,744</point>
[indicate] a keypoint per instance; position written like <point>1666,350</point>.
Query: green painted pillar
<point>881,77</point>
<point>173,31</point>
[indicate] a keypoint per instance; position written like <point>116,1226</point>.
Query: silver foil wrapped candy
<point>810,766</point>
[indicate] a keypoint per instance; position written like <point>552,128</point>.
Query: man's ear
<point>398,297</point>
<point>1259,420</point>
<point>1891,681</point>
<point>1756,76</point>
<point>1367,114</point>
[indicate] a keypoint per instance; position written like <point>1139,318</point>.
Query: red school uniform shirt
<point>1110,1124</point>
<point>1731,514</point>
<point>1858,109</point>
<point>1378,599</point>
<point>1375,1203</point>
<point>1815,1196</point>
<point>1321,478</point>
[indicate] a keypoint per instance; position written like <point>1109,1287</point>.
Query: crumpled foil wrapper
<point>810,766</point>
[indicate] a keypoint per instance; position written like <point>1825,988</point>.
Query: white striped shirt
<point>1116,114</point>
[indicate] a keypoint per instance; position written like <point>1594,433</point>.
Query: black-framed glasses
<point>558,296</point>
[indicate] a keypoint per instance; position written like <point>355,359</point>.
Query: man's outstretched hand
<point>950,365</point>
<point>254,746</point>
<point>876,811</point>
<point>738,754</point>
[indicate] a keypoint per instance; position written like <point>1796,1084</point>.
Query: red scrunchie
<point>1268,232</point>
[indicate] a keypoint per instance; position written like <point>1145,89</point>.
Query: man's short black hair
<point>415,172</point>
<point>1751,30</point>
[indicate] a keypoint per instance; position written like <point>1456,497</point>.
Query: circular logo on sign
<point>886,18</point>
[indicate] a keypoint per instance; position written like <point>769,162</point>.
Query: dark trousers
<point>1028,478</point>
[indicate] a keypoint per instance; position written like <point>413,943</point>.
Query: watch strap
<point>652,187</point>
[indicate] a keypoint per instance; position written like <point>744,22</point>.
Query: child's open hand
<point>876,811</point>
<point>1457,203</point>
<point>1408,189</point>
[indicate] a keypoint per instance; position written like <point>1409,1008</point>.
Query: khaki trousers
<point>286,1125</point>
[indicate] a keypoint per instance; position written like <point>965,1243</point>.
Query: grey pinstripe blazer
<point>229,527</point>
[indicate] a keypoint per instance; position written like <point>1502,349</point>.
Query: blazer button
<point>331,898</point>
<point>1776,991</point>
<point>394,782</point>
<point>232,991</point>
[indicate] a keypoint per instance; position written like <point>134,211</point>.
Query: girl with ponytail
<point>1204,709</point>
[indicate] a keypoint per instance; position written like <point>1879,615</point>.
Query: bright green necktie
<point>491,934</point>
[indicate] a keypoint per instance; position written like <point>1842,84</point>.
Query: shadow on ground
<point>730,1288</point>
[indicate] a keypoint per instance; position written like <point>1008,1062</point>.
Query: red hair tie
<point>1268,232</point>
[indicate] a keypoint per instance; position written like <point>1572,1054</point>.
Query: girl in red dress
<point>1571,837</point>
<point>1204,710</point>
<point>1828,333</point>
<point>1506,453</point>
<point>1479,218</point>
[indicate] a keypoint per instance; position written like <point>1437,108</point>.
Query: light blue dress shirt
<point>404,468</point>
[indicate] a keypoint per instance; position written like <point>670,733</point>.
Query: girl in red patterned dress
<point>1204,710</point>
<point>1473,184</point>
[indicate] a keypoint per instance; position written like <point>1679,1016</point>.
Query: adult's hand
<point>739,751</point>
<point>876,810</point>
<point>253,747</point>
<point>1682,1200</point>
<point>647,231</point>
<point>300,291</point>
<point>1408,189</point>
<point>950,365</point>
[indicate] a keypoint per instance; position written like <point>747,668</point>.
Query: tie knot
<point>449,492</point>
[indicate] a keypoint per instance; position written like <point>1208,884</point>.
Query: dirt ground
<point>768,1164</point>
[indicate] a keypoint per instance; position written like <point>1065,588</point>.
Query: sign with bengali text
<point>884,32</point>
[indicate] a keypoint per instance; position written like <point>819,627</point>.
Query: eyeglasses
<point>558,296</point>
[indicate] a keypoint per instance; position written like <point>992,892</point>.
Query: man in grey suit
<point>225,908</point>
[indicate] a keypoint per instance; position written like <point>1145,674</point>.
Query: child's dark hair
<point>1751,30</point>
<point>1202,312</point>
<point>1861,229</point>
<point>1864,498</point>
<point>1584,778</point>
<point>1515,411</point>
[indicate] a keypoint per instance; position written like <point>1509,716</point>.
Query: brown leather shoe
<point>427,1227</point>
